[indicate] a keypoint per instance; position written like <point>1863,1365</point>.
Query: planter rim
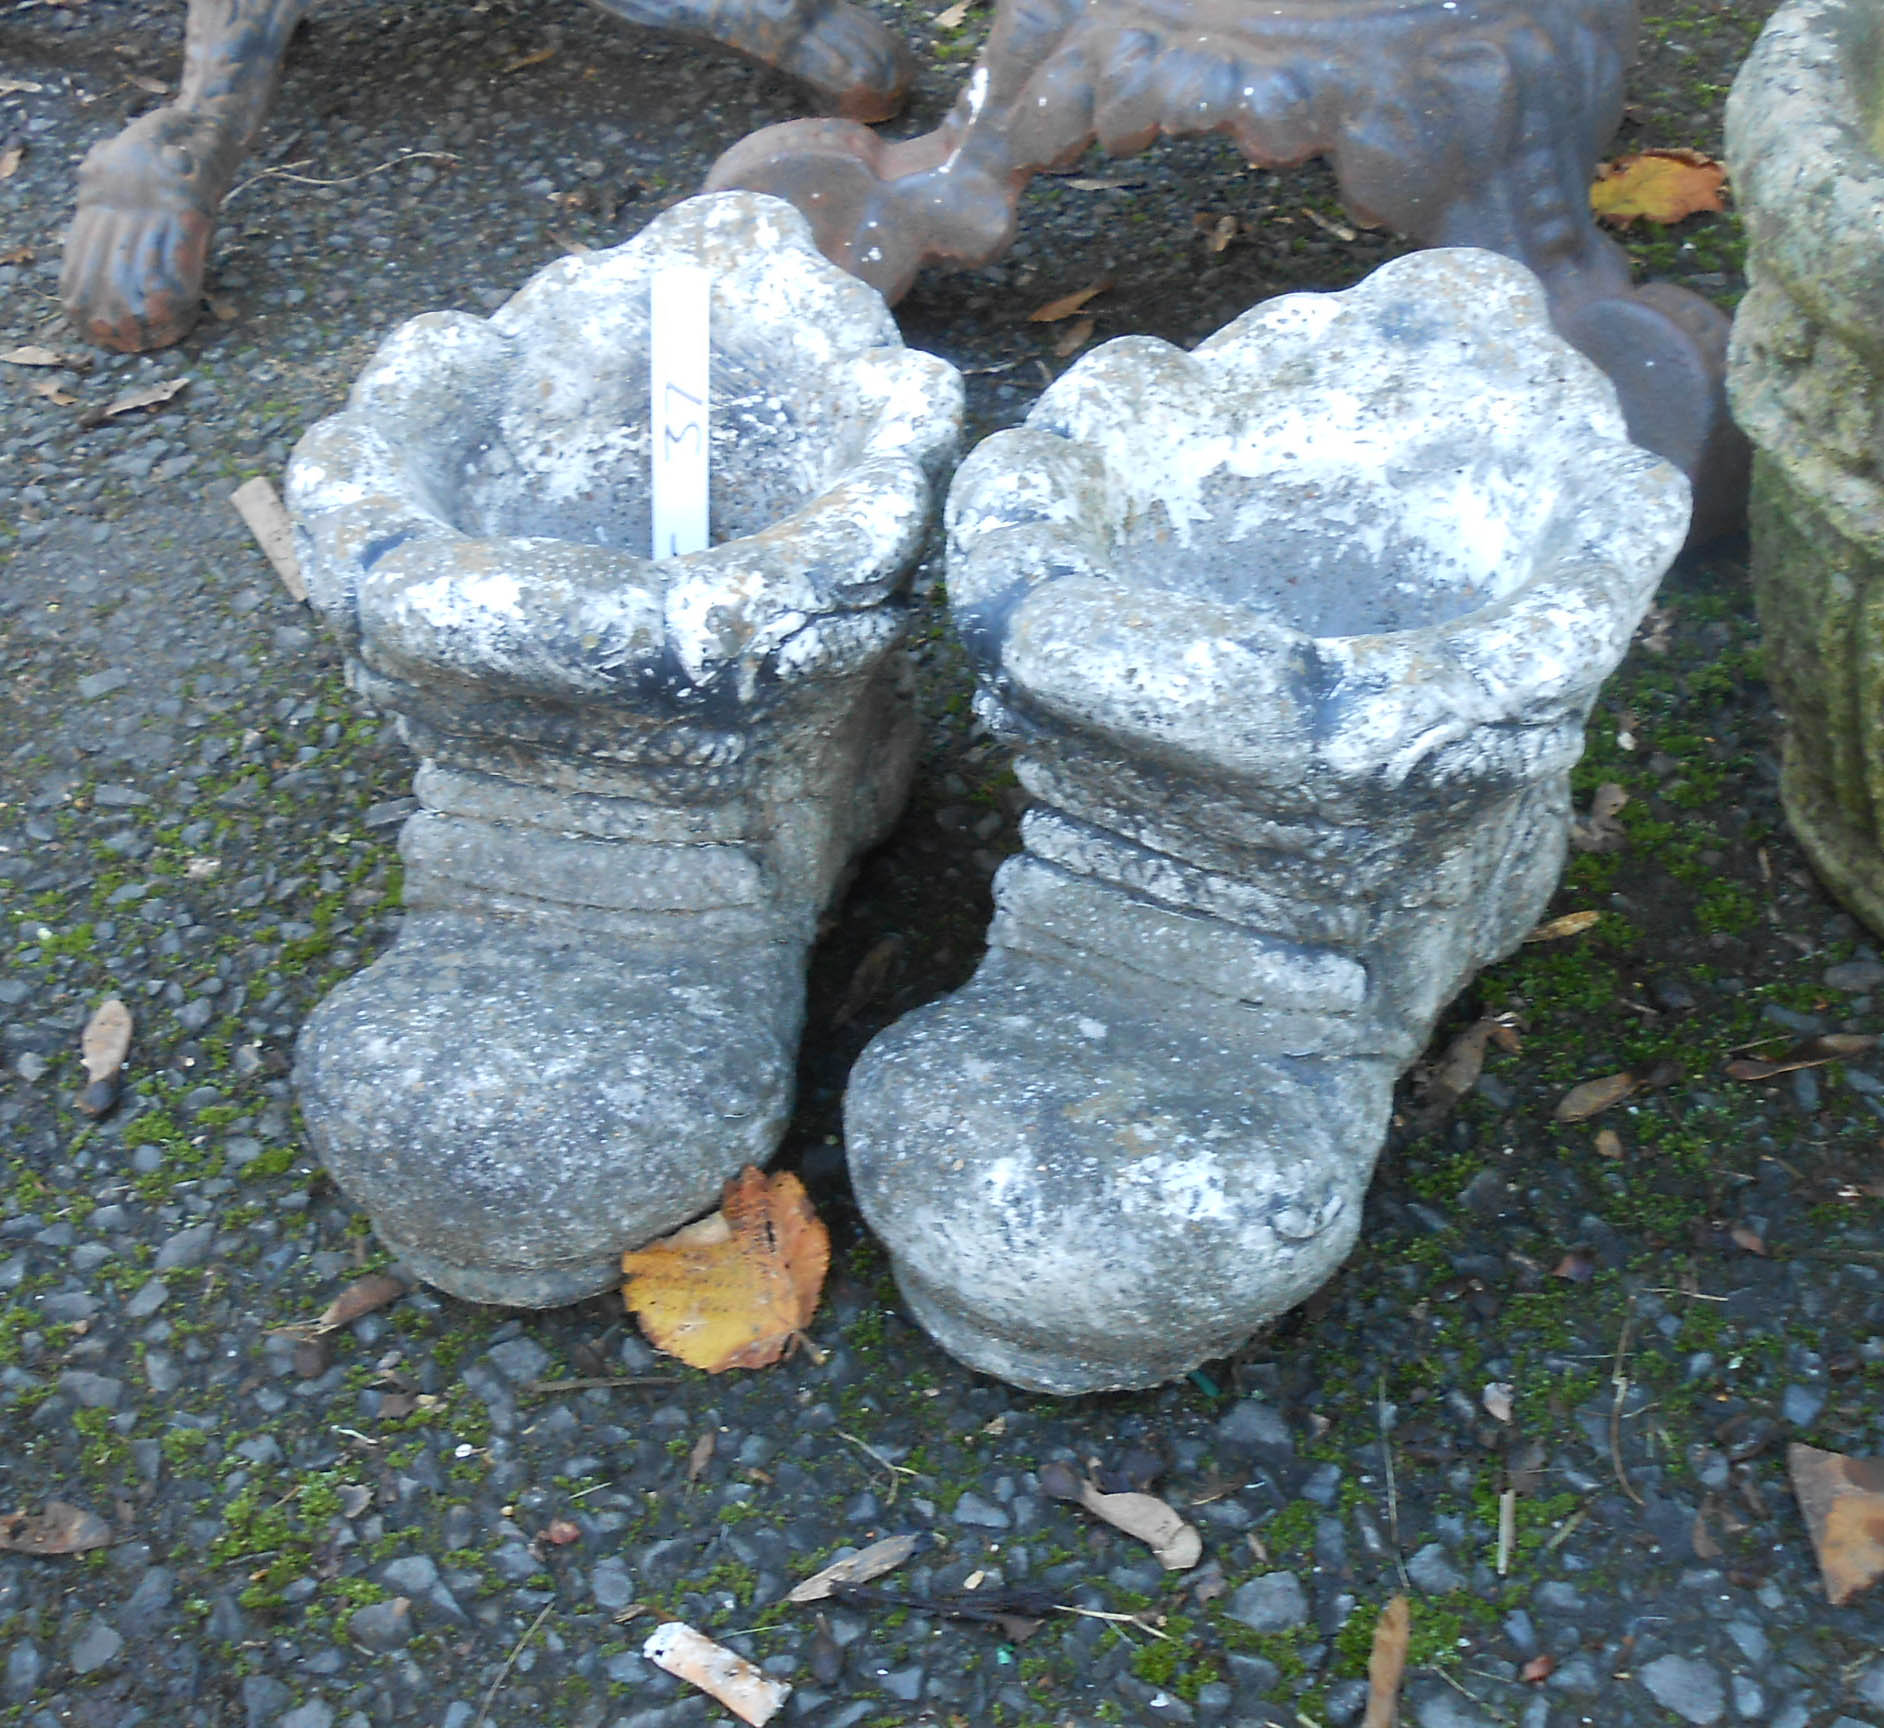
<point>1230,683</point>
<point>563,618</point>
<point>1803,164</point>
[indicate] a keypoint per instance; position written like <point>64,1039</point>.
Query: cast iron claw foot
<point>148,199</point>
<point>1455,125</point>
<point>134,260</point>
<point>846,58</point>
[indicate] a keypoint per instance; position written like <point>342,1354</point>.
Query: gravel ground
<point>414,1522</point>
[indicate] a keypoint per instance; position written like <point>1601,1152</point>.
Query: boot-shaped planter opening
<point>640,780</point>
<point>1295,637</point>
<point>1805,141</point>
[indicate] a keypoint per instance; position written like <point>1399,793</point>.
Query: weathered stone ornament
<point>1295,637</point>
<point>641,781</point>
<point>1458,125</point>
<point>1805,145</point>
<point>148,198</point>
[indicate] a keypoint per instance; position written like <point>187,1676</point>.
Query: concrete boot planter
<point>641,781</point>
<point>1805,139</point>
<point>1295,637</point>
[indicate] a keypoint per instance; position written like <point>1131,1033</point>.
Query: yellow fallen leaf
<point>1386,1663</point>
<point>1570,924</point>
<point>1582,1102</point>
<point>1068,305</point>
<point>1843,1502</point>
<point>1658,186</point>
<point>731,1290</point>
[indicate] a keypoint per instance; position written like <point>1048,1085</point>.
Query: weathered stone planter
<point>1296,637</point>
<point>641,781</point>
<point>1805,140</point>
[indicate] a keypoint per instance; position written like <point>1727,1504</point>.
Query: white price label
<point>678,361</point>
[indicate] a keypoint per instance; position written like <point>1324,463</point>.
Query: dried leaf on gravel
<point>1843,1501</point>
<point>1582,1102</point>
<point>560,1532</point>
<point>362,1296</point>
<point>1570,924</point>
<point>58,1529</point>
<point>1176,1544</point>
<point>1807,1053</point>
<point>10,159</point>
<point>151,396</point>
<point>50,390</point>
<point>874,971</point>
<point>1073,338</point>
<point>1660,186</point>
<point>1218,231</point>
<point>1455,1073</point>
<point>536,57</point>
<point>752,1695</point>
<point>1068,305</point>
<point>1497,1398</point>
<point>1539,1669</point>
<point>103,1046</point>
<point>954,17</point>
<point>858,1568</point>
<point>1386,1663</point>
<point>32,354</point>
<point>1600,831</point>
<point>731,1290</point>
<point>1747,1238</point>
<point>701,1455</point>
<point>1576,1266</point>
<point>19,87</point>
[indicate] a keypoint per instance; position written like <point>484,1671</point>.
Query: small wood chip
<point>260,506</point>
<point>751,1695</point>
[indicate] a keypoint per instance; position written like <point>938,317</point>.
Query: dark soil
<point>195,815</point>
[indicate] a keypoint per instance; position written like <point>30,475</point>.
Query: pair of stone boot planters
<point>1295,638</point>
<point>1805,140</point>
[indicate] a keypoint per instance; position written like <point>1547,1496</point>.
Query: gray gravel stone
<point>187,1248</point>
<point>611,1583</point>
<point>1275,1602</point>
<point>520,1360</point>
<point>1690,1688</point>
<point>1433,1571</point>
<point>315,1713</point>
<point>263,1699</point>
<point>1253,1424</point>
<point>382,1625</point>
<point>1870,1686</point>
<point>24,1667</point>
<point>93,1391</point>
<point>983,1514</point>
<point>97,1644</point>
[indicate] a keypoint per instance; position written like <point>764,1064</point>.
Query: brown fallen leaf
<point>954,17</point>
<point>858,1568</point>
<point>1386,1663</point>
<point>1600,831</point>
<point>701,1455</point>
<point>1843,1502</point>
<point>151,86</point>
<point>49,388</point>
<point>731,1290</point>
<point>10,159</point>
<point>1584,1101</point>
<point>18,255</point>
<point>1068,305</point>
<point>58,1529</point>
<point>1218,231</point>
<point>1576,1266</point>
<point>1807,1053</point>
<point>1701,1539</point>
<point>1176,1544</point>
<point>1073,338</point>
<point>1340,230</point>
<point>151,396</point>
<point>1454,1074</point>
<point>560,1532</point>
<point>1570,924</point>
<point>103,1046</point>
<point>1659,186</point>
<point>752,1695</point>
<point>33,354</point>
<point>874,971</point>
<point>536,57</point>
<point>362,1296</point>
<point>1539,1669</point>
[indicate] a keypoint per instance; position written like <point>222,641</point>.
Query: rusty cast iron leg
<point>1472,124</point>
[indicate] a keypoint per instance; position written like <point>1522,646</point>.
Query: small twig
<point>1564,1530</point>
<point>597,1383</point>
<point>510,1662</point>
<point>1620,1381</point>
<point>1507,1528</point>
<point>1393,1486</point>
<point>877,1458</point>
<point>1116,1619</point>
<point>1463,1691</point>
<point>286,171</point>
